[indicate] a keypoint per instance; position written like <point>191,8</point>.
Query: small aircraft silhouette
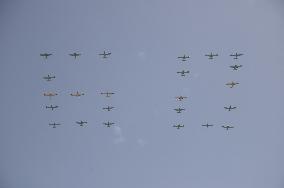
<point>236,55</point>
<point>49,94</point>
<point>45,55</point>
<point>178,110</point>
<point>235,67</point>
<point>108,124</point>
<point>178,126</point>
<point>48,77</point>
<point>51,107</point>
<point>108,94</point>
<point>77,94</point>
<point>207,125</point>
<point>108,108</point>
<point>180,98</point>
<point>184,57</point>
<point>54,124</point>
<point>230,108</point>
<point>227,127</point>
<point>81,123</point>
<point>182,73</point>
<point>211,55</point>
<point>105,55</point>
<point>75,55</point>
<point>232,84</point>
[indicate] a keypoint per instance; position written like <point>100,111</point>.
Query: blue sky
<point>143,149</point>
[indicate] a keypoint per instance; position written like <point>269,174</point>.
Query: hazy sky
<point>143,150</point>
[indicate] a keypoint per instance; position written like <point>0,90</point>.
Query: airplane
<point>232,84</point>
<point>51,107</point>
<point>236,55</point>
<point>75,55</point>
<point>105,55</point>
<point>54,124</point>
<point>184,57</point>
<point>182,73</point>
<point>108,124</point>
<point>45,55</point>
<point>108,108</point>
<point>48,77</point>
<point>207,125</point>
<point>235,67</point>
<point>50,94</point>
<point>77,94</point>
<point>108,94</point>
<point>178,110</point>
<point>227,127</point>
<point>178,126</point>
<point>230,108</point>
<point>211,55</point>
<point>180,98</point>
<point>81,123</point>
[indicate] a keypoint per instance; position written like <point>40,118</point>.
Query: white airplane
<point>49,94</point>
<point>236,55</point>
<point>77,94</point>
<point>211,55</point>
<point>105,54</point>
<point>232,84</point>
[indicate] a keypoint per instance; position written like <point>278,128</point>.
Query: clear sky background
<point>143,150</point>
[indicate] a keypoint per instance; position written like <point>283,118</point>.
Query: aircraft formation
<point>52,107</point>
<point>108,94</point>
<point>230,84</point>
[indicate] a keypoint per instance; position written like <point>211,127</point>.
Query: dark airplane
<point>236,55</point>
<point>81,123</point>
<point>235,67</point>
<point>182,73</point>
<point>48,77</point>
<point>52,107</point>
<point>180,98</point>
<point>178,110</point>
<point>45,55</point>
<point>227,127</point>
<point>108,94</point>
<point>178,126</point>
<point>230,108</point>
<point>184,57</point>
<point>211,55</point>
<point>105,55</point>
<point>232,84</point>
<point>207,125</point>
<point>54,124</point>
<point>75,55</point>
<point>108,108</point>
<point>108,124</point>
